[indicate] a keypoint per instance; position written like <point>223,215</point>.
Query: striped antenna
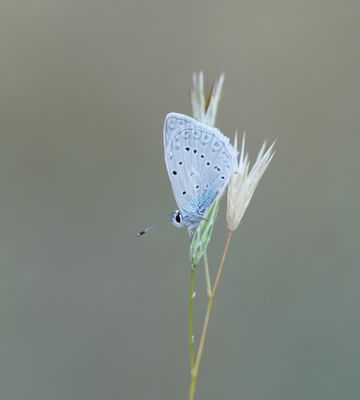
<point>155,223</point>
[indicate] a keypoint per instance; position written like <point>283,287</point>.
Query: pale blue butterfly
<point>199,160</point>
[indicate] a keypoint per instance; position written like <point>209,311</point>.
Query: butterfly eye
<point>178,218</point>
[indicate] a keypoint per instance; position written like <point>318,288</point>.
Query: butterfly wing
<point>199,161</point>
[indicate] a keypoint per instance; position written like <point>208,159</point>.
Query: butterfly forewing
<point>199,161</point>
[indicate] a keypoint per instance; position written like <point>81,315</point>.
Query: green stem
<point>191,329</point>
<point>195,369</point>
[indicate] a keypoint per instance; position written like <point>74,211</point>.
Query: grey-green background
<point>88,311</point>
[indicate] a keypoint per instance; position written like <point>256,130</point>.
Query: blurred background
<point>88,311</point>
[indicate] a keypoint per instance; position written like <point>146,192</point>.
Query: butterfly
<point>199,160</point>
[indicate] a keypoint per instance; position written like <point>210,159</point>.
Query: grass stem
<point>191,328</point>
<point>211,295</point>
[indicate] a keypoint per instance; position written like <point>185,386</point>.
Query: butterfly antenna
<point>155,223</point>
